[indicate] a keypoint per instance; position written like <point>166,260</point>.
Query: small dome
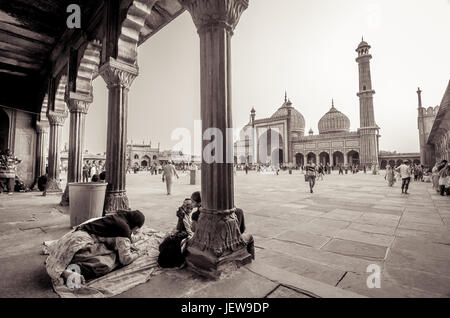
<point>363,47</point>
<point>334,122</point>
<point>362,44</point>
<point>297,119</point>
<point>311,131</point>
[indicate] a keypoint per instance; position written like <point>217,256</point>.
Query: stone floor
<point>308,245</point>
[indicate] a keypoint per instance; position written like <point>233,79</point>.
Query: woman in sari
<point>95,247</point>
<point>435,177</point>
<point>444,175</point>
<point>390,175</point>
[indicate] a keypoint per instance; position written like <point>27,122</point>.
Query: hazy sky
<point>304,47</point>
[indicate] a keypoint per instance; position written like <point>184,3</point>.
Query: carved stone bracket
<point>118,74</point>
<point>56,118</point>
<point>221,13</point>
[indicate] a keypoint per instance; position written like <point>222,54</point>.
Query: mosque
<point>281,138</point>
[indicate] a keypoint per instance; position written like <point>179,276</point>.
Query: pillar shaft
<point>118,77</point>
<point>217,242</point>
<point>56,120</point>
<point>78,107</point>
<point>42,135</point>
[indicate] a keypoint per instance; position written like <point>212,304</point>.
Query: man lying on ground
<point>95,248</point>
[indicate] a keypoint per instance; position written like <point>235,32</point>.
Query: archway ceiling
<point>35,41</point>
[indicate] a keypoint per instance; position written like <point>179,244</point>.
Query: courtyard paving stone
<point>314,240</point>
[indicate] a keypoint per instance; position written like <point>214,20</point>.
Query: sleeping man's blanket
<point>117,281</point>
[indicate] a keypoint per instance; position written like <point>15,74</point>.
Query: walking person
<point>167,176</point>
<point>93,171</point>
<point>310,175</point>
<point>85,172</point>
<point>390,175</point>
<point>320,170</point>
<point>405,174</point>
<point>435,177</point>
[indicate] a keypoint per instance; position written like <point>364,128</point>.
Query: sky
<point>304,47</point>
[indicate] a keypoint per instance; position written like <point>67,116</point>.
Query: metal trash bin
<point>86,201</point>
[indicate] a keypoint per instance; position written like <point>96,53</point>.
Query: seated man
<point>196,204</point>
<point>184,218</point>
<point>95,247</point>
<point>238,215</point>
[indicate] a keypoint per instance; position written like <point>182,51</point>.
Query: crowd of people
<point>439,176</point>
<point>94,171</point>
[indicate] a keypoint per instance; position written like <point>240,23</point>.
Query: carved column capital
<point>118,74</point>
<point>78,106</point>
<point>56,118</point>
<point>219,13</point>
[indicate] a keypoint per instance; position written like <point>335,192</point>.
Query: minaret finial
<point>285,96</point>
<point>332,102</point>
<point>419,95</point>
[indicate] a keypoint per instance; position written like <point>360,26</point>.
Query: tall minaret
<point>368,128</point>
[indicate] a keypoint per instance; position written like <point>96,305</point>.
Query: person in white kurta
<point>167,176</point>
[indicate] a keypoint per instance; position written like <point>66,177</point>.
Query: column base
<point>53,187</point>
<point>65,197</point>
<point>116,201</point>
<point>217,246</point>
<point>210,266</point>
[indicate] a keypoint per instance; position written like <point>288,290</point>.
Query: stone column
<point>331,159</point>
<point>56,120</point>
<point>42,135</point>
<point>78,106</point>
<point>118,77</point>
<point>217,243</point>
<point>345,158</point>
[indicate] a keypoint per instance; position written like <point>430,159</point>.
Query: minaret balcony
<point>365,93</point>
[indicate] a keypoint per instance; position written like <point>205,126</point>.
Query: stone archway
<point>399,162</point>
<point>144,163</point>
<point>384,164</point>
<point>277,157</point>
<point>242,159</point>
<point>311,157</point>
<point>324,158</point>
<point>4,129</point>
<point>353,157</point>
<point>416,161</point>
<point>300,159</point>
<point>338,158</point>
<point>392,163</point>
<point>269,142</point>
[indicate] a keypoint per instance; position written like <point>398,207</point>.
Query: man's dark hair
<point>196,197</point>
